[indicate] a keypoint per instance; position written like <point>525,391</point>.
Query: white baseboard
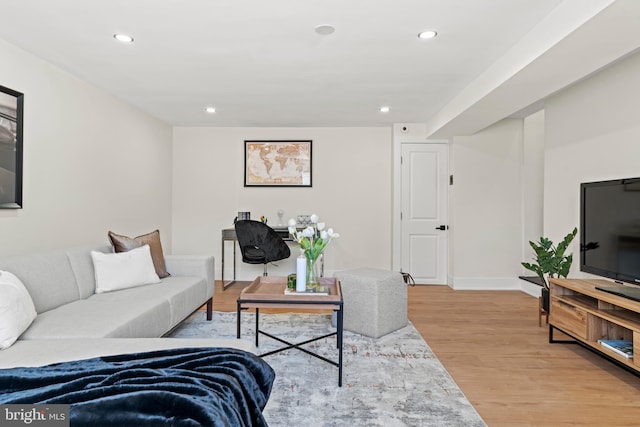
<point>494,284</point>
<point>455,283</point>
<point>486,283</point>
<point>530,288</point>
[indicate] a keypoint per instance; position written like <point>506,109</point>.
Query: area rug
<point>395,380</point>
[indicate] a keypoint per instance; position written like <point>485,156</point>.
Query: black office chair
<point>260,244</point>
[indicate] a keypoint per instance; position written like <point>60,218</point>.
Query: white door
<point>424,216</point>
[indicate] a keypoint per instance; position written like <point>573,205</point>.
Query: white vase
<point>301,274</point>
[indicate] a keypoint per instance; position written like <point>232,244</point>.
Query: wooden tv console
<point>587,314</point>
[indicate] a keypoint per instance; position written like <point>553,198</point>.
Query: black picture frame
<point>278,163</point>
<point>11,148</point>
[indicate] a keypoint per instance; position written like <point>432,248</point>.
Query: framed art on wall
<point>277,163</point>
<point>11,116</point>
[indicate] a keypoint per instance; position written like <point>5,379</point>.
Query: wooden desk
<point>229,234</point>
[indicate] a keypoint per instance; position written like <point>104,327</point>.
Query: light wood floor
<point>491,344</point>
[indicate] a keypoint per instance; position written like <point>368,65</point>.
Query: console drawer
<point>569,318</point>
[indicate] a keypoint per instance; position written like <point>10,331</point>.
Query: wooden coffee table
<point>268,292</point>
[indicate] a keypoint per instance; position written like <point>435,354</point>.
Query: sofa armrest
<point>191,265</point>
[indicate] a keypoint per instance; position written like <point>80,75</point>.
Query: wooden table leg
<point>541,312</point>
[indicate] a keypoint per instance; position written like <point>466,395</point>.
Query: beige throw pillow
<point>123,244</point>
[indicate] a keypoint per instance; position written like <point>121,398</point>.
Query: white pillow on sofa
<point>16,309</point>
<point>123,270</point>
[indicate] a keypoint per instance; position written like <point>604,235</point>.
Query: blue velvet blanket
<point>178,387</point>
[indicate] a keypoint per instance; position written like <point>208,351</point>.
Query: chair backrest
<point>255,234</point>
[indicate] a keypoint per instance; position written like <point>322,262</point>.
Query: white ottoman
<point>375,301</point>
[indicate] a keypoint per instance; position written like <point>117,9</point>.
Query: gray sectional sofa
<point>73,322</point>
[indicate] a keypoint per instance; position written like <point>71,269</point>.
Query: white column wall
<point>351,192</point>
<point>486,208</point>
<point>91,162</point>
<point>532,183</point>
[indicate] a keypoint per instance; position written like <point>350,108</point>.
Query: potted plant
<point>550,261</point>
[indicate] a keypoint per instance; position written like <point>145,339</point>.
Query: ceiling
<point>263,64</point>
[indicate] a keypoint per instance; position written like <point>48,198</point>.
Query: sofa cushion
<point>140,312</point>
<point>16,309</point>
<point>123,270</point>
<point>183,294</point>
<point>48,277</point>
<point>124,244</point>
<point>82,265</point>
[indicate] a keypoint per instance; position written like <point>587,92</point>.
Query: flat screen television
<point>610,229</point>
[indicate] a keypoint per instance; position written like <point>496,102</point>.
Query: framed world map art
<point>277,163</point>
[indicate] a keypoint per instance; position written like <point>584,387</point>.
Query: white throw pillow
<point>123,270</point>
<point>16,309</point>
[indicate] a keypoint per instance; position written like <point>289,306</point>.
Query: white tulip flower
<point>314,238</point>
<point>292,223</point>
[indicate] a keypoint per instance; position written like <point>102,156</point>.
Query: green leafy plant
<point>550,260</point>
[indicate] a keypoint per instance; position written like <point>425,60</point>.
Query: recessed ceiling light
<point>384,109</point>
<point>210,110</point>
<point>124,38</point>
<point>428,34</point>
<point>325,29</point>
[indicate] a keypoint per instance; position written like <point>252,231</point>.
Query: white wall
<point>532,183</point>
<point>486,207</point>
<point>351,192</point>
<point>91,162</point>
<point>592,133</point>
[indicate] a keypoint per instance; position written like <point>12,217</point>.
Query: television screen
<point>610,229</point>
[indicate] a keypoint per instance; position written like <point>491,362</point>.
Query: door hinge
<point>450,179</point>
